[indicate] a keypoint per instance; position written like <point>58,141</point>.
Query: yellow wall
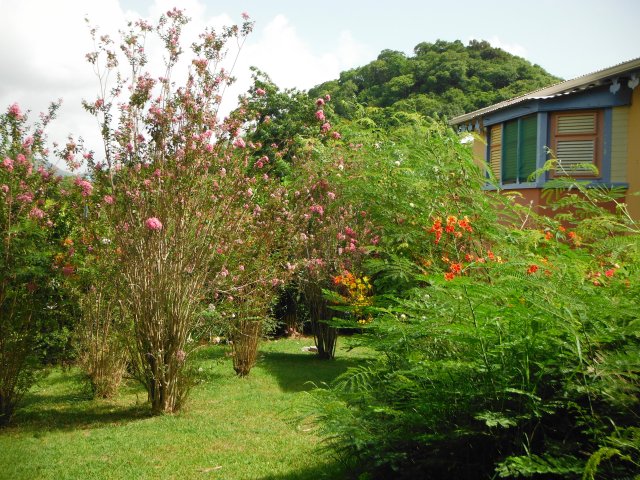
<point>619,143</point>
<point>633,154</point>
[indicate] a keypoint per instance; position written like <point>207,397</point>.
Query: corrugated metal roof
<point>580,83</point>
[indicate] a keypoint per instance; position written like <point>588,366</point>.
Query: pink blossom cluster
<point>8,164</point>
<point>317,209</point>
<point>14,110</point>
<point>84,185</point>
<point>152,223</point>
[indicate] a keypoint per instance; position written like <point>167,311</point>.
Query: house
<point>593,119</point>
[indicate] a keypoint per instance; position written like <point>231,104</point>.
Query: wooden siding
<point>619,143</point>
<point>633,155</point>
<point>495,153</point>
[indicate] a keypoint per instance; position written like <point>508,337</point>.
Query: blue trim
<point>542,142</point>
<point>529,186</point>
<point>605,168</point>
<point>599,97</point>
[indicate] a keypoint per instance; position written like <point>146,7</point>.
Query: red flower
<point>449,276</point>
<point>455,268</point>
<point>532,269</point>
<point>609,273</point>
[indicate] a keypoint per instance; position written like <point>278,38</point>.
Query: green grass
<point>231,428</point>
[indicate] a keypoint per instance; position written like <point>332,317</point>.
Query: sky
<point>300,43</point>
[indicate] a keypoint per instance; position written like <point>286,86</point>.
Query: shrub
<point>30,280</point>
<point>504,350</point>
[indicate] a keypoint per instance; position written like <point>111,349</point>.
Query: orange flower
<point>456,268</point>
<point>548,236</point>
<point>449,276</point>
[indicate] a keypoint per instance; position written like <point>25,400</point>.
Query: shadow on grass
<point>332,471</point>
<point>297,372</point>
<point>80,417</point>
<point>63,401</point>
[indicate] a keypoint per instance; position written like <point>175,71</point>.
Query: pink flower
<point>320,115</point>
<point>336,135</point>
<point>26,197</point>
<point>36,213</point>
<point>15,111</point>
<point>224,272</point>
<point>108,199</point>
<point>249,192</point>
<point>86,186</point>
<point>8,164</point>
<point>152,223</point>
<point>5,188</point>
<point>317,209</point>
<point>319,102</point>
<point>325,127</point>
<point>327,97</point>
<point>239,143</point>
<point>331,195</point>
<point>245,16</point>
<point>275,282</point>
<point>260,92</point>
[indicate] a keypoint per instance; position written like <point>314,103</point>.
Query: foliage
<point>173,203</point>
<point>504,348</point>
<point>441,79</point>
<point>32,303</point>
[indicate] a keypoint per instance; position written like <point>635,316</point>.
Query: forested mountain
<point>441,78</point>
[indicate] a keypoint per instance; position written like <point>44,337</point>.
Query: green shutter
<point>528,147</point>
<point>510,152</point>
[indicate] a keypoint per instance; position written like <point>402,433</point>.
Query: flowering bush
<point>501,354</point>
<point>30,292</point>
<point>175,200</point>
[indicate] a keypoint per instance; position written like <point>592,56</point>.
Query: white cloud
<point>513,48</point>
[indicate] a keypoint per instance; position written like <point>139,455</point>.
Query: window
<point>513,148</point>
<point>576,140</point>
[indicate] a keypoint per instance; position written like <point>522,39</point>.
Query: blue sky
<point>301,43</point>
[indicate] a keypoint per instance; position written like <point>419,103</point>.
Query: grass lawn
<point>231,428</point>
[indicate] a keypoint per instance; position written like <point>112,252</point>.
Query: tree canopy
<point>441,78</point>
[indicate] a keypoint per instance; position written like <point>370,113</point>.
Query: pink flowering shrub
<point>333,238</point>
<point>29,210</point>
<point>176,201</point>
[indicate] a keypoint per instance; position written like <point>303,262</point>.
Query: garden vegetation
<point>500,343</point>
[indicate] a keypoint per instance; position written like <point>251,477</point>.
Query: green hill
<point>441,78</point>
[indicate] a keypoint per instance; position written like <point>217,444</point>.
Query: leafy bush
<point>31,296</point>
<point>504,349</point>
